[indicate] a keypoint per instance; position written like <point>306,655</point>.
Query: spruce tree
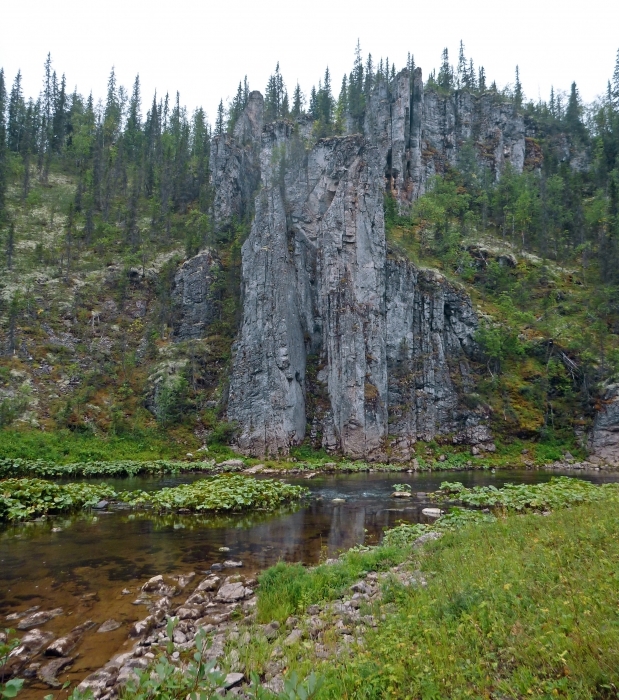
<point>3,148</point>
<point>219,122</point>
<point>274,96</point>
<point>461,69</point>
<point>573,114</point>
<point>518,94</point>
<point>16,115</point>
<point>298,101</point>
<point>615,83</point>
<point>445,74</point>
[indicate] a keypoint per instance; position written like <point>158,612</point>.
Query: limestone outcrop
<point>342,340</point>
<point>234,165</point>
<point>192,296</point>
<point>604,437</point>
<point>421,132</point>
<point>361,352</point>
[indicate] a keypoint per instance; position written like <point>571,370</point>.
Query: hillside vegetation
<point>99,205</point>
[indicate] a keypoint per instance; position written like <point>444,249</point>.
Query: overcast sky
<point>203,48</point>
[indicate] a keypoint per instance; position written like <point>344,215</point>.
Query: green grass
<point>516,606</point>
<point>287,589</point>
<point>523,607</point>
<point>64,446</point>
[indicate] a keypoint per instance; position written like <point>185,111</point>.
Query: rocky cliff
<point>420,133</point>
<point>342,341</point>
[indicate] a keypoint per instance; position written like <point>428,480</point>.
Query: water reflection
<point>85,565</point>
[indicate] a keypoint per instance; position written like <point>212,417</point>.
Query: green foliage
<point>64,446</point>
<point>559,492</point>
<point>287,589</point>
<point>50,470</point>
<point>523,607</point>
<point>221,493</point>
<point>23,499</point>
<point>11,687</point>
<point>405,534</point>
<point>202,678</point>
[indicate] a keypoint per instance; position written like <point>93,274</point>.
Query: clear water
<point>84,567</point>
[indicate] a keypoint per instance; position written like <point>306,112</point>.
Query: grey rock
<point>179,637</point>
<point>232,564</point>
<point>35,640</point>
<point>427,537</point>
<point>295,636</point>
<point>210,583</point>
<point>234,165</point>
<point>38,618</point>
<point>231,592</point>
<point>64,645</point>
<point>192,296</point>
<point>232,679</point>
<point>604,437</point>
<point>390,342</point>
<point>109,626</point>
<point>47,672</point>
<point>23,613</point>
<point>142,627</point>
<point>153,584</point>
<point>189,613</point>
<point>231,464</point>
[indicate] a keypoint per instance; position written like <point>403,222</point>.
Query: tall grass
<point>524,607</point>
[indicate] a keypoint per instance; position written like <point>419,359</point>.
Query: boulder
<point>38,618</point>
<point>63,646</point>
<point>47,672</point>
<point>232,592</point>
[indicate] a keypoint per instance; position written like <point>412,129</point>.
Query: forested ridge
<point>101,201</point>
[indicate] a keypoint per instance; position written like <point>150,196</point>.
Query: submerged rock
<point>38,618</point>
<point>64,645</point>
<point>48,672</point>
<point>109,626</point>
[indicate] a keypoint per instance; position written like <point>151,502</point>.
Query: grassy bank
<point>524,607</point>
<point>66,446</point>
<point>518,606</point>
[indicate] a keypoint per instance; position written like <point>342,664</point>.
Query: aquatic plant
<point>559,492</point>
<point>23,499</point>
<point>43,469</point>
<point>220,493</point>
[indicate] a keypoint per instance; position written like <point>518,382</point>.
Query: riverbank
<point>473,606</point>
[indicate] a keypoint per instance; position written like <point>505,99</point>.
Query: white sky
<point>203,48</point>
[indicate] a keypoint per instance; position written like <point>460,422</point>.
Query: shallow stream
<point>85,565</point>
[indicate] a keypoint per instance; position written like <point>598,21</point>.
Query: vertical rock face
<point>341,341</point>
<point>604,438</point>
<point>313,282</point>
<point>419,133</point>
<point>192,297</point>
<point>430,327</point>
<point>234,165</point>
